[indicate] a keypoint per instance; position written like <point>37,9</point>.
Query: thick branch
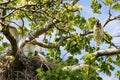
<point>11,39</point>
<point>40,31</point>
<point>73,67</point>
<point>50,45</point>
<point>32,35</point>
<point>107,52</point>
<point>6,32</point>
<point>45,45</point>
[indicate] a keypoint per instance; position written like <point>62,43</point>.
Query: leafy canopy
<point>34,14</point>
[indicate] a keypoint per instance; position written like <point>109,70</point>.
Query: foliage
<point>116,6</point>
<point>95,6</point>
<point>36,14</point>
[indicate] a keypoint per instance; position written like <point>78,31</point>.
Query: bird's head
<point>98,24</point>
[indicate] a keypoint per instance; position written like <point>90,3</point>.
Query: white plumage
<point>30,48</point>
<point>98,33</point>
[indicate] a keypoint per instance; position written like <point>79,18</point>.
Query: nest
<point>24,68</point>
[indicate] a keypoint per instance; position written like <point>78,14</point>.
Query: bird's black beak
<point>98,23</point>
<point>36,53</point>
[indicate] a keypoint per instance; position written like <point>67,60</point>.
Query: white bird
<point>98,33</point>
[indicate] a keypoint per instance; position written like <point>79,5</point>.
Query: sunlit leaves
<point>105,66</point>
<point>91,22</point>
<point>107,2</point>
<point>22,2</point>
<point>74,45</point>
<point>96,6</point>
<point>57,73</point>
<point>107,37</point>
<point>89,58</point>
<point>79,21</point>
<point>53,52</point>
<point>65,15</point>
<point>117,60</point>
<point>117,73</point>
<point>116,6</point>
<point>3,46</point>
<point>22,31</point>
<point>69,18</point>
<point>1,38</point>
<point>1,49</point>
<point>71,60</point>
<point>74,7</point>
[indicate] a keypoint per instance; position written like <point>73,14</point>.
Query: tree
<point>23,22</point>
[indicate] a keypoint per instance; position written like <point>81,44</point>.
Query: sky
<point>113,28</point>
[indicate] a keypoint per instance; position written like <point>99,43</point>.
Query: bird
<point>98,33</point>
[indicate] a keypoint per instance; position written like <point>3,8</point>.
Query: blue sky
<point>112,28</point>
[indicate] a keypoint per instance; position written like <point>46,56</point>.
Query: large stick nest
<point>23,68</point>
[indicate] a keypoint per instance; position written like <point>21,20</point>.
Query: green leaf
<point>1,38</point>
<point>91,22</point>
<point>116,6</point>
<point>117,73</point>
<point>107,36</point>
<point>107,2</point>
<point>5,44</point>
<point>96,6</point>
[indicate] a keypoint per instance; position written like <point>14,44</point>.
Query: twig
<point>112,44</point>
<point>7,15</point>
<point>109,13</point>
<point>13,23</point>
<point>22,26</point>
<point>109,18</point>
<point>64,55</point>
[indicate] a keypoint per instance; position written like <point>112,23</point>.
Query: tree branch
<point>7,2</point>
<point>107,52</point>
<point>7,15</point>
<point>22,8</point>
<point>6,32</point>
<point>73,67</point>
<point>109,18</point>
<point>32,35</point>
<point>50,45</point>
<point>11,39</point>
